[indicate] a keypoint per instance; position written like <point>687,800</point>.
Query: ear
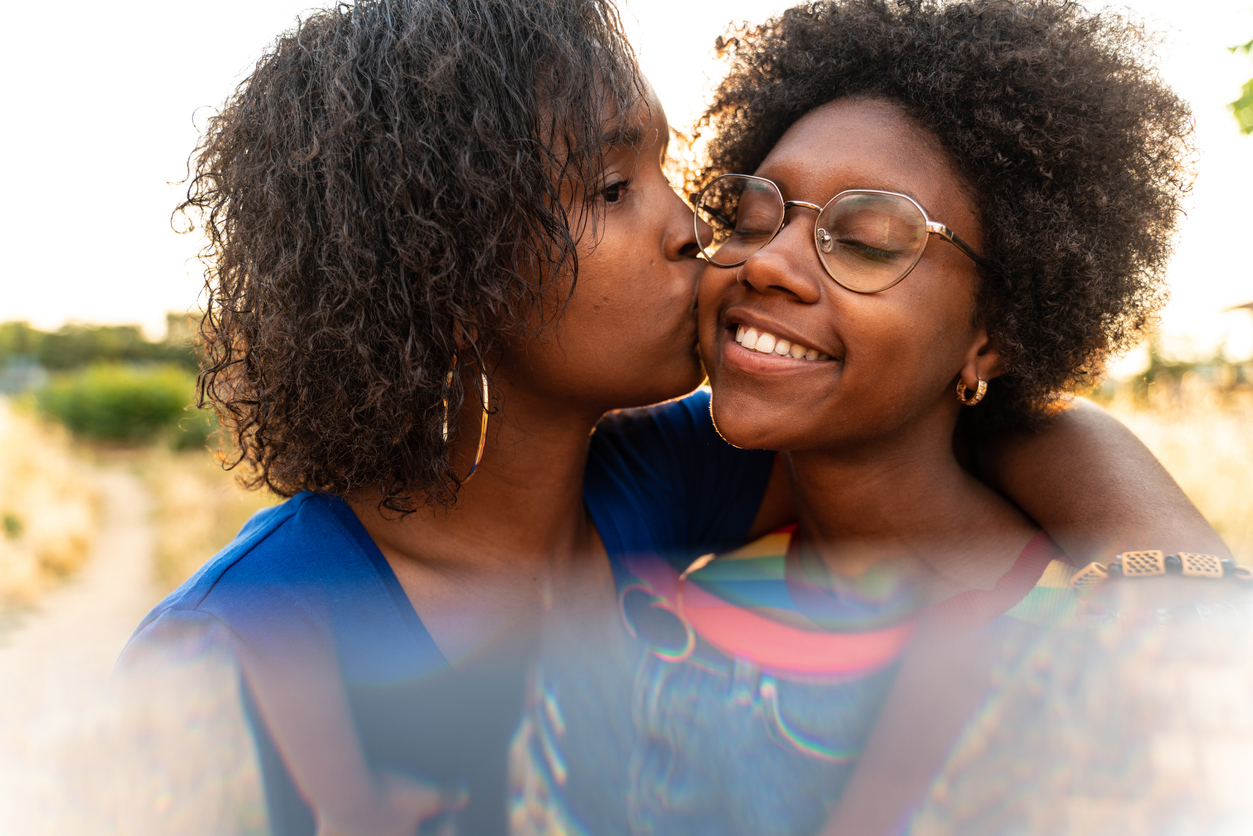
<point>983,360</point>
<point>463,335</point>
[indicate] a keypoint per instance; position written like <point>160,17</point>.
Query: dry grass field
<point>197,509</point>
<point>49,505</point>
<point>1205,439</point>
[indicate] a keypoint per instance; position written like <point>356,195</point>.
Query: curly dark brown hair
<point>1075,153</point>
<point>382,198</point>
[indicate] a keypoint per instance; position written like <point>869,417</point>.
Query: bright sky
<point>102,99</point>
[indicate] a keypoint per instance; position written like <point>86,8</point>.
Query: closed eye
<point>750,234</point>
<point>867,252</point>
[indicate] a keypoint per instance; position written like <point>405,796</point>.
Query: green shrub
<point>193,430</point>
<point>115,402</point>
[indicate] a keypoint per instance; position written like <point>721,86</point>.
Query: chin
<point>738,427</point>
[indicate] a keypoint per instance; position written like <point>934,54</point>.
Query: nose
<point>680,242</point>
<point>787,264</point>
<point>704,232</point>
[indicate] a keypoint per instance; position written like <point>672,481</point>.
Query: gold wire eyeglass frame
<point>932,228</point>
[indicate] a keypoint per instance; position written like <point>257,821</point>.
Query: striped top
<point>763,604</point>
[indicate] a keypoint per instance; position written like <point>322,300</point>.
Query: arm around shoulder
<point>1096,488</point>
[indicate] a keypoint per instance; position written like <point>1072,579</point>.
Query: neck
<point>482,569</point>
<point>524,504</point>
<point>908,501</point>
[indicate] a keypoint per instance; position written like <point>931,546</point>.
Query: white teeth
<point>765,343</point>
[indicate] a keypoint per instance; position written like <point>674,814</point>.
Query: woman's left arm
<point>1096,489</point>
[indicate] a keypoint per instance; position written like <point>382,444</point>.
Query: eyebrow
<point>622,136</point>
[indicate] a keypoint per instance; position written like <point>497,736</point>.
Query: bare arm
<point>306,710</point>
<point>937,689</point>
<point>1096,489</point>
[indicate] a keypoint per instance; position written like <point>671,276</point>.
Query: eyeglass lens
<point>867,241</point>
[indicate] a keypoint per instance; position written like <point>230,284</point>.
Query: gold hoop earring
<point>963,392</point>
<point>478,455</point>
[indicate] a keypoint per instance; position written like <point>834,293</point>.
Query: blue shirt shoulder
<point>661,481</point>
<point>306,572</point>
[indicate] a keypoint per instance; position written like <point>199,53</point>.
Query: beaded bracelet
<point>1147,564</point>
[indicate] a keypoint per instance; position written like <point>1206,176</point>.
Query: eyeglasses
<point>867,240</point>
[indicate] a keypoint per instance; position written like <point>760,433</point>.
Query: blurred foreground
<point>94,536</point>
<point>76,759</point>
<point>49,504</point>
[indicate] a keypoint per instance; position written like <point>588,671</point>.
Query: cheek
<point>604,293</point>
<point>900,350</point>
<point>715,284</point>
<point>922,346</point>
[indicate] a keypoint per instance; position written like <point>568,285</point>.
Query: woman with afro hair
<point>924,222</point>
<point>441,249</point>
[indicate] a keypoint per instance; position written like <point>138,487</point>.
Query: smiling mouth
<point>763,342</point>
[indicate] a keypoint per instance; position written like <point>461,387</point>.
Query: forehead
<point>866,144</point>
<point>643,125</point>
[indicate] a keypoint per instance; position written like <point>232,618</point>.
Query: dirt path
<point>77,631</point>
<point>55,664</point>
<point>169,756</point>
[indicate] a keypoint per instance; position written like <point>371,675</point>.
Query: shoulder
<point>302,574</point>
<point>300,539</point>
<point>287,565</point>
<point>670,440</point>
<point>661,480</point>
<point>688,416</point>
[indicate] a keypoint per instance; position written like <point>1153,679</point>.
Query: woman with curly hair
<point>924,221</point>
<point>442,246</point>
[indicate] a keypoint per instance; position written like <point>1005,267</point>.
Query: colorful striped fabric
<point>1035,590</point>
<point>758,603</point>
<point>1051,600</point>
<point>761,603</point>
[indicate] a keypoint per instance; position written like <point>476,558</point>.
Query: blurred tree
<point>78,346</point>
<point>18,339</point>
<point>1243,106</point>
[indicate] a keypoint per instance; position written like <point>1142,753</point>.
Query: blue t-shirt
<point>305,573</point>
